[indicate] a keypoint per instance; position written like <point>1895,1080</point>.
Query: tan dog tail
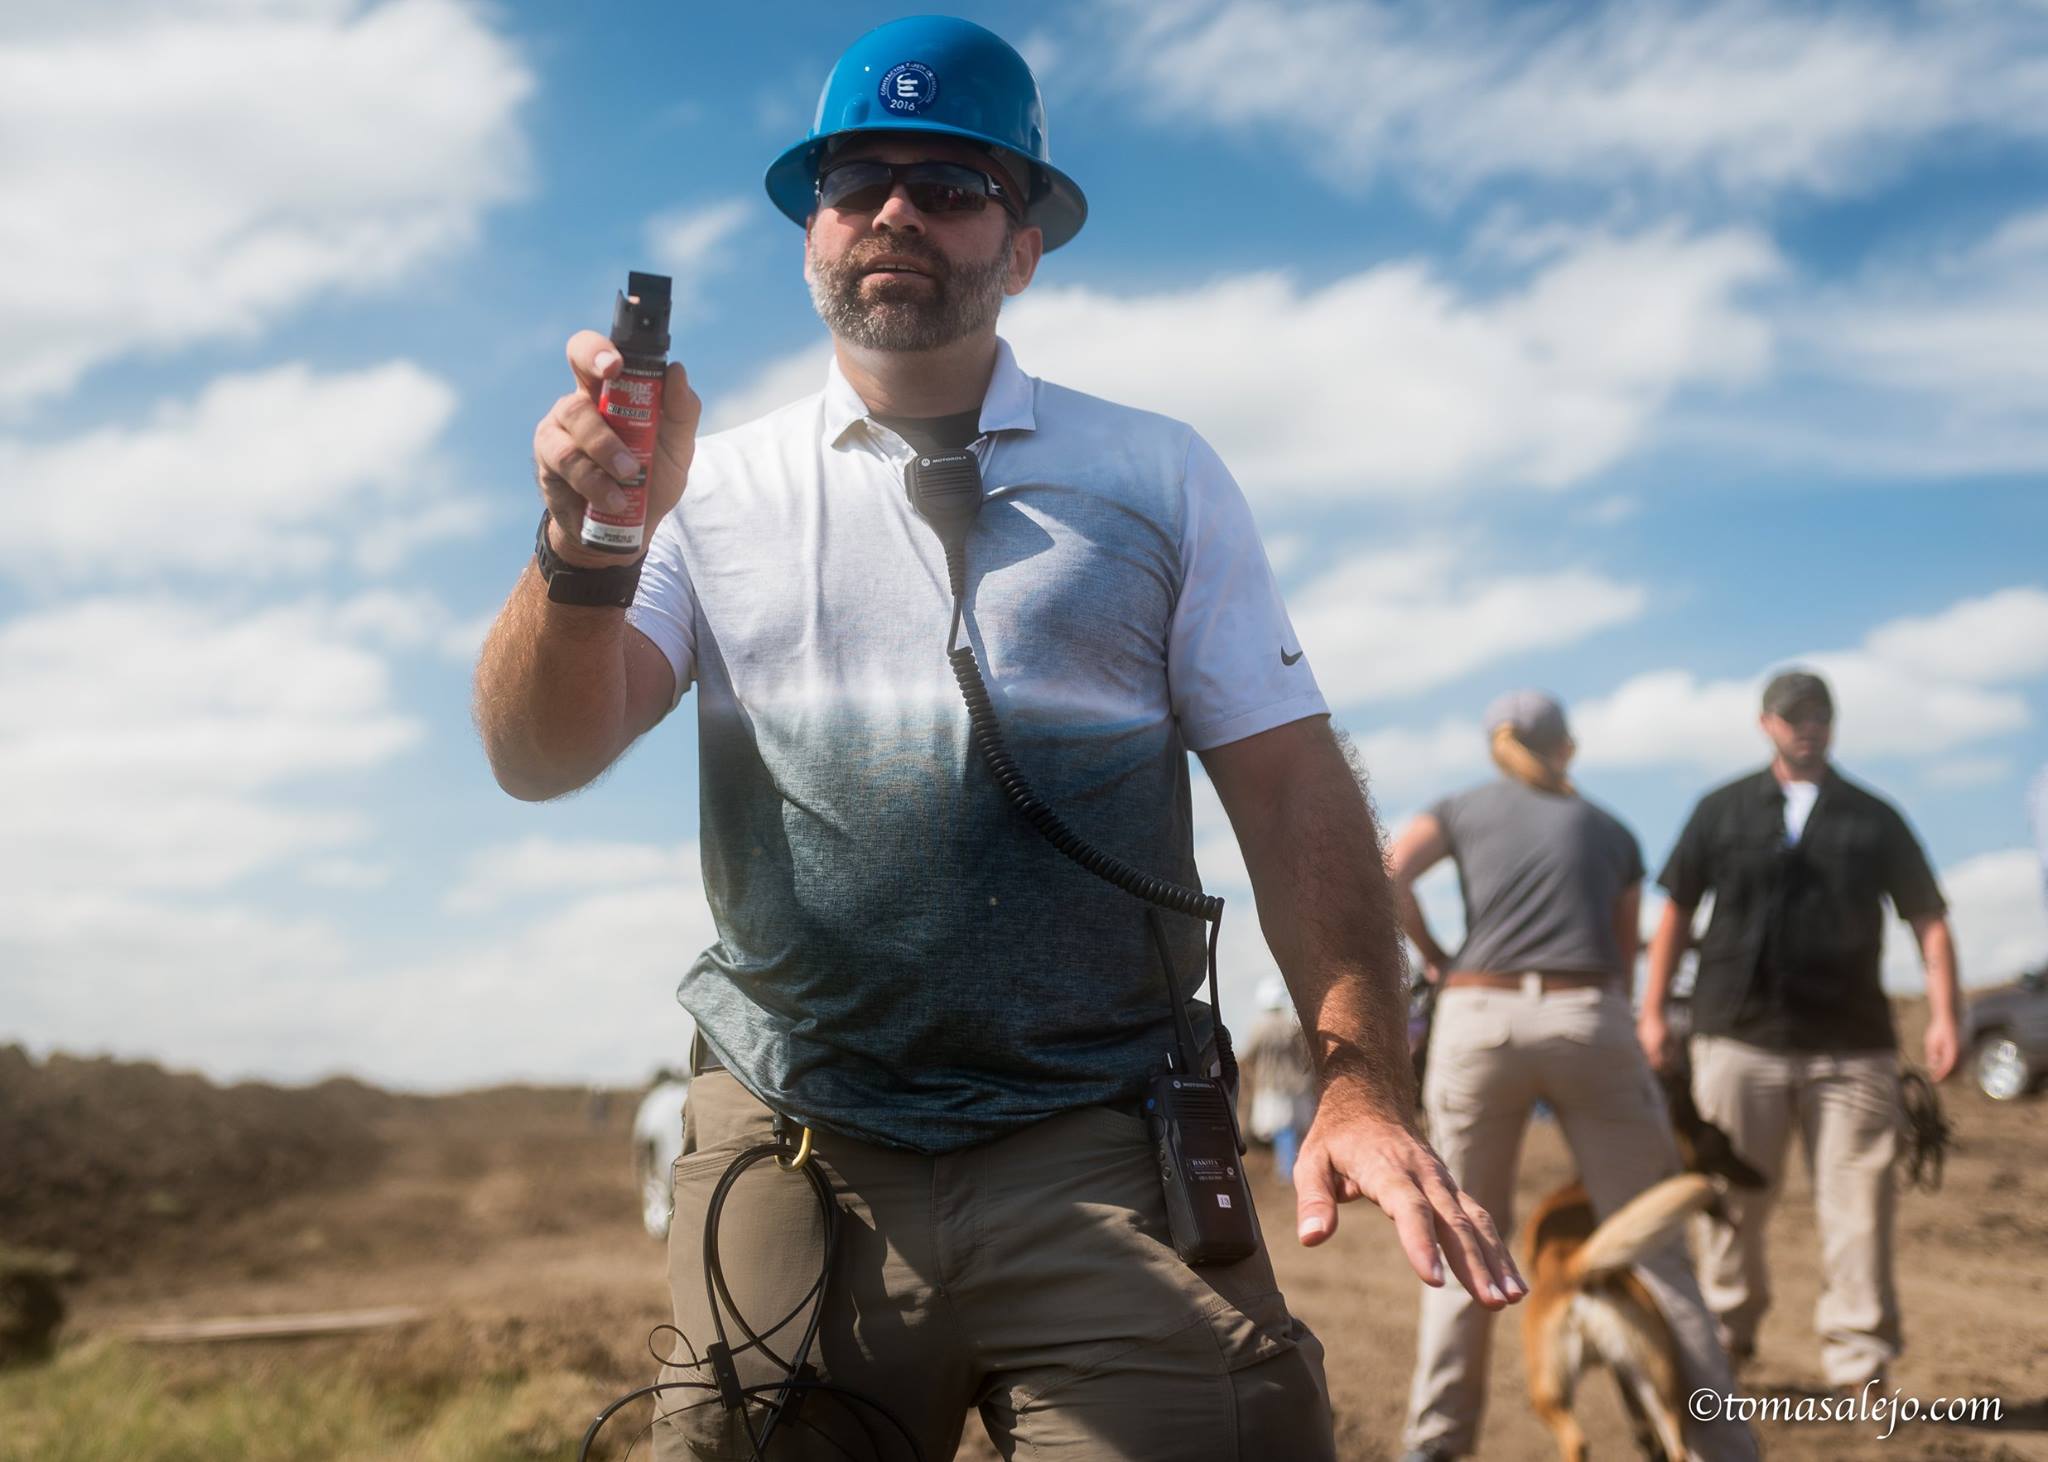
<point>1640,1224</point>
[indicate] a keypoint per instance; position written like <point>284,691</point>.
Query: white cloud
<point>145,743</point>
<point>1968,771</point>
<point>537,865</point>
<point>1739,96</point>
<point>693,244</point>
<point>1394,380</point>
<point>1924,363</point>
<point>344,872</point>
<point>2002,637</point>
<point>1386,625</point>
<point>1999,917</point>
<point>1406,765</point>
<point>1915,687</point>
<point>1966,323</point>
<point>187,174</point>
<point>775,385</point>
<point>571,982</point>
<point>264,475</point>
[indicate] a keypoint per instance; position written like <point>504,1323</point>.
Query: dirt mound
<point>118,1162</point>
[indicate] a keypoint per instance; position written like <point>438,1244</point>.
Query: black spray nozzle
<point>640,318</point>
<point>945,488</point>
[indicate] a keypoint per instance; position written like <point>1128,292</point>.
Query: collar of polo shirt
<point>1008,405</point>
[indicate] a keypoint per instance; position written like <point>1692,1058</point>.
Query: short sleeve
<point>1908,879</point>
<point>1443,811</point>
<point>1686,876</point>
<point>1233,665</point>
<point>1633,868</point>
<point>665,607</point>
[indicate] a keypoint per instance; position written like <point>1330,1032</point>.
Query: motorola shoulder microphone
<point>945,489</point>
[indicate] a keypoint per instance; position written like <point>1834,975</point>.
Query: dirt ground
<point>510,1217</point>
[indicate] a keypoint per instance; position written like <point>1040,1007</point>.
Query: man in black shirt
<point>1790,1023</point>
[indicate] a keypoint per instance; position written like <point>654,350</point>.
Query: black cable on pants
<point>780,1397</point>
<point>1926,1130</point>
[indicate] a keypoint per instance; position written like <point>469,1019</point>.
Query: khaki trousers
<point>1846,1109</point>
<point>1031,1277</point>
<point>1493,1054</point>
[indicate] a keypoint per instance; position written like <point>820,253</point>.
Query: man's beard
<point>949,304</point>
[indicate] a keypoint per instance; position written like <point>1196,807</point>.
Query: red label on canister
<point>631,405</point>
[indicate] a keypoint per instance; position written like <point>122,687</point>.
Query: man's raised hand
<point>579,461</point>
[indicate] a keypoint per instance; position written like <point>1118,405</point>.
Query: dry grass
<point>440,1394</point>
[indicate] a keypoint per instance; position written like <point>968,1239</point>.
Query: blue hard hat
<point>933,73</point>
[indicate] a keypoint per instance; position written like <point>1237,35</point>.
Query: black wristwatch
<point>610,587</point>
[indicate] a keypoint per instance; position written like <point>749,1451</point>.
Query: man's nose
<point>898,213</point>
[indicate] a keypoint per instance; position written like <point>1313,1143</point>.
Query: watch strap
<point>611,587</point>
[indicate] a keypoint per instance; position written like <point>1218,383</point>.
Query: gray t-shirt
<point>900,956</point>
<point>1540,873</point>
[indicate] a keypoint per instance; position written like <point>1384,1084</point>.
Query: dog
<point>1587,1308</point>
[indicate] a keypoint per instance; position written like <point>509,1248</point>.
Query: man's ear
<point>1027,247</point>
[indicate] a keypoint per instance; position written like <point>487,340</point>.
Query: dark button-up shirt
<point>1790,960</point>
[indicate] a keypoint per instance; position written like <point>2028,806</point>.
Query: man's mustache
<point>931,263</point>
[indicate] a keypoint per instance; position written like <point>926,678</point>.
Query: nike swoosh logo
<point>1287,659</point>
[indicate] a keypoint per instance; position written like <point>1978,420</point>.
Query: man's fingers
<point>1315,1210</point>
<point>1415,1227</point>
<point>1490,1237</point>
<point>558,457</point>
<point>1481,1268</point>
<point>593,358</point>
<point>584,425</point>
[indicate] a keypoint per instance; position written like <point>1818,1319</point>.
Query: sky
<point>1623,350</point>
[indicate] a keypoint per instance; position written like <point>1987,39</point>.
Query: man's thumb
<point>680,410</point>
<point>1315,1211</point>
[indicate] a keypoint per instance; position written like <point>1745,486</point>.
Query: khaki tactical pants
<point>1493,1054</point>
<point>1846,1109</point>
<point>1031,1277</point>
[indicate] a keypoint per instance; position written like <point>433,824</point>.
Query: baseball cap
<point>1790,690</point>
<point>1537,719</point>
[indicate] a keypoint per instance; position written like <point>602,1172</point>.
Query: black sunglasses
<point>935,187</point>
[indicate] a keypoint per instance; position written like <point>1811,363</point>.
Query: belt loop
<point>1532,983</point>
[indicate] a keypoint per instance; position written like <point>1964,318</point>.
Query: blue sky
<point>1628,351</point>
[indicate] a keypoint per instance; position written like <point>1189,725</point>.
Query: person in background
<point>1534,1007</point>
<point>1790,1025</point>
<point>1280,1077</point>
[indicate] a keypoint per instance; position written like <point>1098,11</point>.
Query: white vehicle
<point>657,1143</point>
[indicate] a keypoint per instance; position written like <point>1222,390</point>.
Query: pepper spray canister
<point>630,403</point>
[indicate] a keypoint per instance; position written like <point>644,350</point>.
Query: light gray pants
<point>1846,1109</point>
<point>1493,1054</point>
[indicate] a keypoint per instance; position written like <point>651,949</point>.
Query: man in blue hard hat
<point>965,1020</point>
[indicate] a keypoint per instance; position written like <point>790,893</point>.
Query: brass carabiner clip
<point>803,1154</point>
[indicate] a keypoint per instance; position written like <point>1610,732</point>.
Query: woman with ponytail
<point>1534,1006</point>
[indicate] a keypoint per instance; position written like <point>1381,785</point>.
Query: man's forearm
<point>1326,906</point>
<point>1938,957</point>
<point>1416,927</point>
<point>1666,945</point>
<point>551,692</point>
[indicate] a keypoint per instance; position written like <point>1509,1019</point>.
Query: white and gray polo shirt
<point>900,956</point>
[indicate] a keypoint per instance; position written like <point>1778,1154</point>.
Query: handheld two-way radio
<point>1192,1115</point>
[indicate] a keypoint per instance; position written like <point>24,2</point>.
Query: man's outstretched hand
<point>1365,1155</point>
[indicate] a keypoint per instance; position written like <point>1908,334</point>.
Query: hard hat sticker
<point>909,88</point>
